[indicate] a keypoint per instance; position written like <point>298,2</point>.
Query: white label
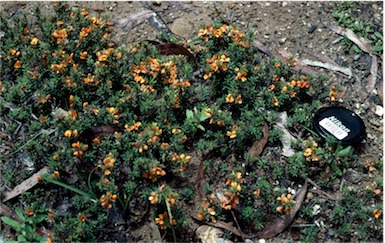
<point>334,129</point>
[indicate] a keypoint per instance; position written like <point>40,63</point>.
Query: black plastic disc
<point>342,124</point>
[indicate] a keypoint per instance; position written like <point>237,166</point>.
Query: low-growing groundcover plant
<point>124,128</point>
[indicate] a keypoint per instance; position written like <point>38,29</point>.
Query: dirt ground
<point>291,26</point>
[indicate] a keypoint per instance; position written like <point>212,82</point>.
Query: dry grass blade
<point>329,66</point>
<point>226,226</point>
<point>258,146</point>
<point>201,179</point>
<point>372,80</point>
<point>364,46</point>
<point>25,185</point>
<point>282,223</point>
<point>358,40</point>
<point>283,56</point>
<point>131,20</point>
<point>301,67</point>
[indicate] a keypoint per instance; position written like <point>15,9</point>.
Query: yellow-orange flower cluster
<point>237,37</point>
<point>182,159</point>
<point>108,199</point>
<point>163,220</point>
<point>241,74</point>
<point>153,198</point>
<point>230,99</point>
<point>286,204</point>
<point>211,31</point>
<point>233,132</point>
<point>79,148</point>
<point>333,93</point>
<point>309,151</point>
<point>154,173</point>
<point>108,164</point>
<point>216,63</point>
<point>207,208</point>
<point>230,199</point>
<point>60,35</point>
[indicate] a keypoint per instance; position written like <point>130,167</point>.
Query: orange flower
<point>257,192</point>
<point>51,215</point>
<point>241,76</point>
<point>231,134</point>
<point>34,41</point>
<point>271,87</point>
<point>377,213</point>
<point>30,212</point>
<point>153,198</point>
<point>292,94</point>
<point>224,58</point>
<point>82,218</point>
<point>84,12</point>
<point>275,101</point>
<point>12,51</point>
<point>17,64</point>
<point>238,100</point>
<point>207,75</point>
<point>60,33</point>
<point>83,55</point>
<point>333,95</point>
<point>308,152</point>
<point>277,64</point>
<point>102,58</point>
<point>230,98</point>
<point>43,119</point>
<point>56,174</point>
<point>214,66</point>
<point>202,32</point>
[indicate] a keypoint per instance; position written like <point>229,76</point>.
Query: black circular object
<point>342,124</point>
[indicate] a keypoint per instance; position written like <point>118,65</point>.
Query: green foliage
<point>26,228</point>
<point>346,14</point>
<point>119,125</point>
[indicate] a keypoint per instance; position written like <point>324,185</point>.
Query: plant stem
<point>74,189</point>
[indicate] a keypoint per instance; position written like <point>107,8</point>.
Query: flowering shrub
<point>127,121</point>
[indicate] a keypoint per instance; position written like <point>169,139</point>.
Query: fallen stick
<point>332,67</point>
<point>364,46</point>
<point>25,185</point>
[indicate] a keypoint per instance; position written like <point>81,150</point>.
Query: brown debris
<point>258,146</point>
<point>25,185</point>
<point>282,223</point>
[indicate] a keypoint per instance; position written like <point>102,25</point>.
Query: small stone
<point>309,196</point>
<point>267,4</point>
<point>312,28</point>
<point>266,36</point>
<point>375,6</point>
<point>284,4</point>
<point>331,233</point>
<point>282,40</point>
<point>208,234</point>
<point>181,27</point>
<point>356,57</point>
<point>157,3</point>
<point>379,110</point>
